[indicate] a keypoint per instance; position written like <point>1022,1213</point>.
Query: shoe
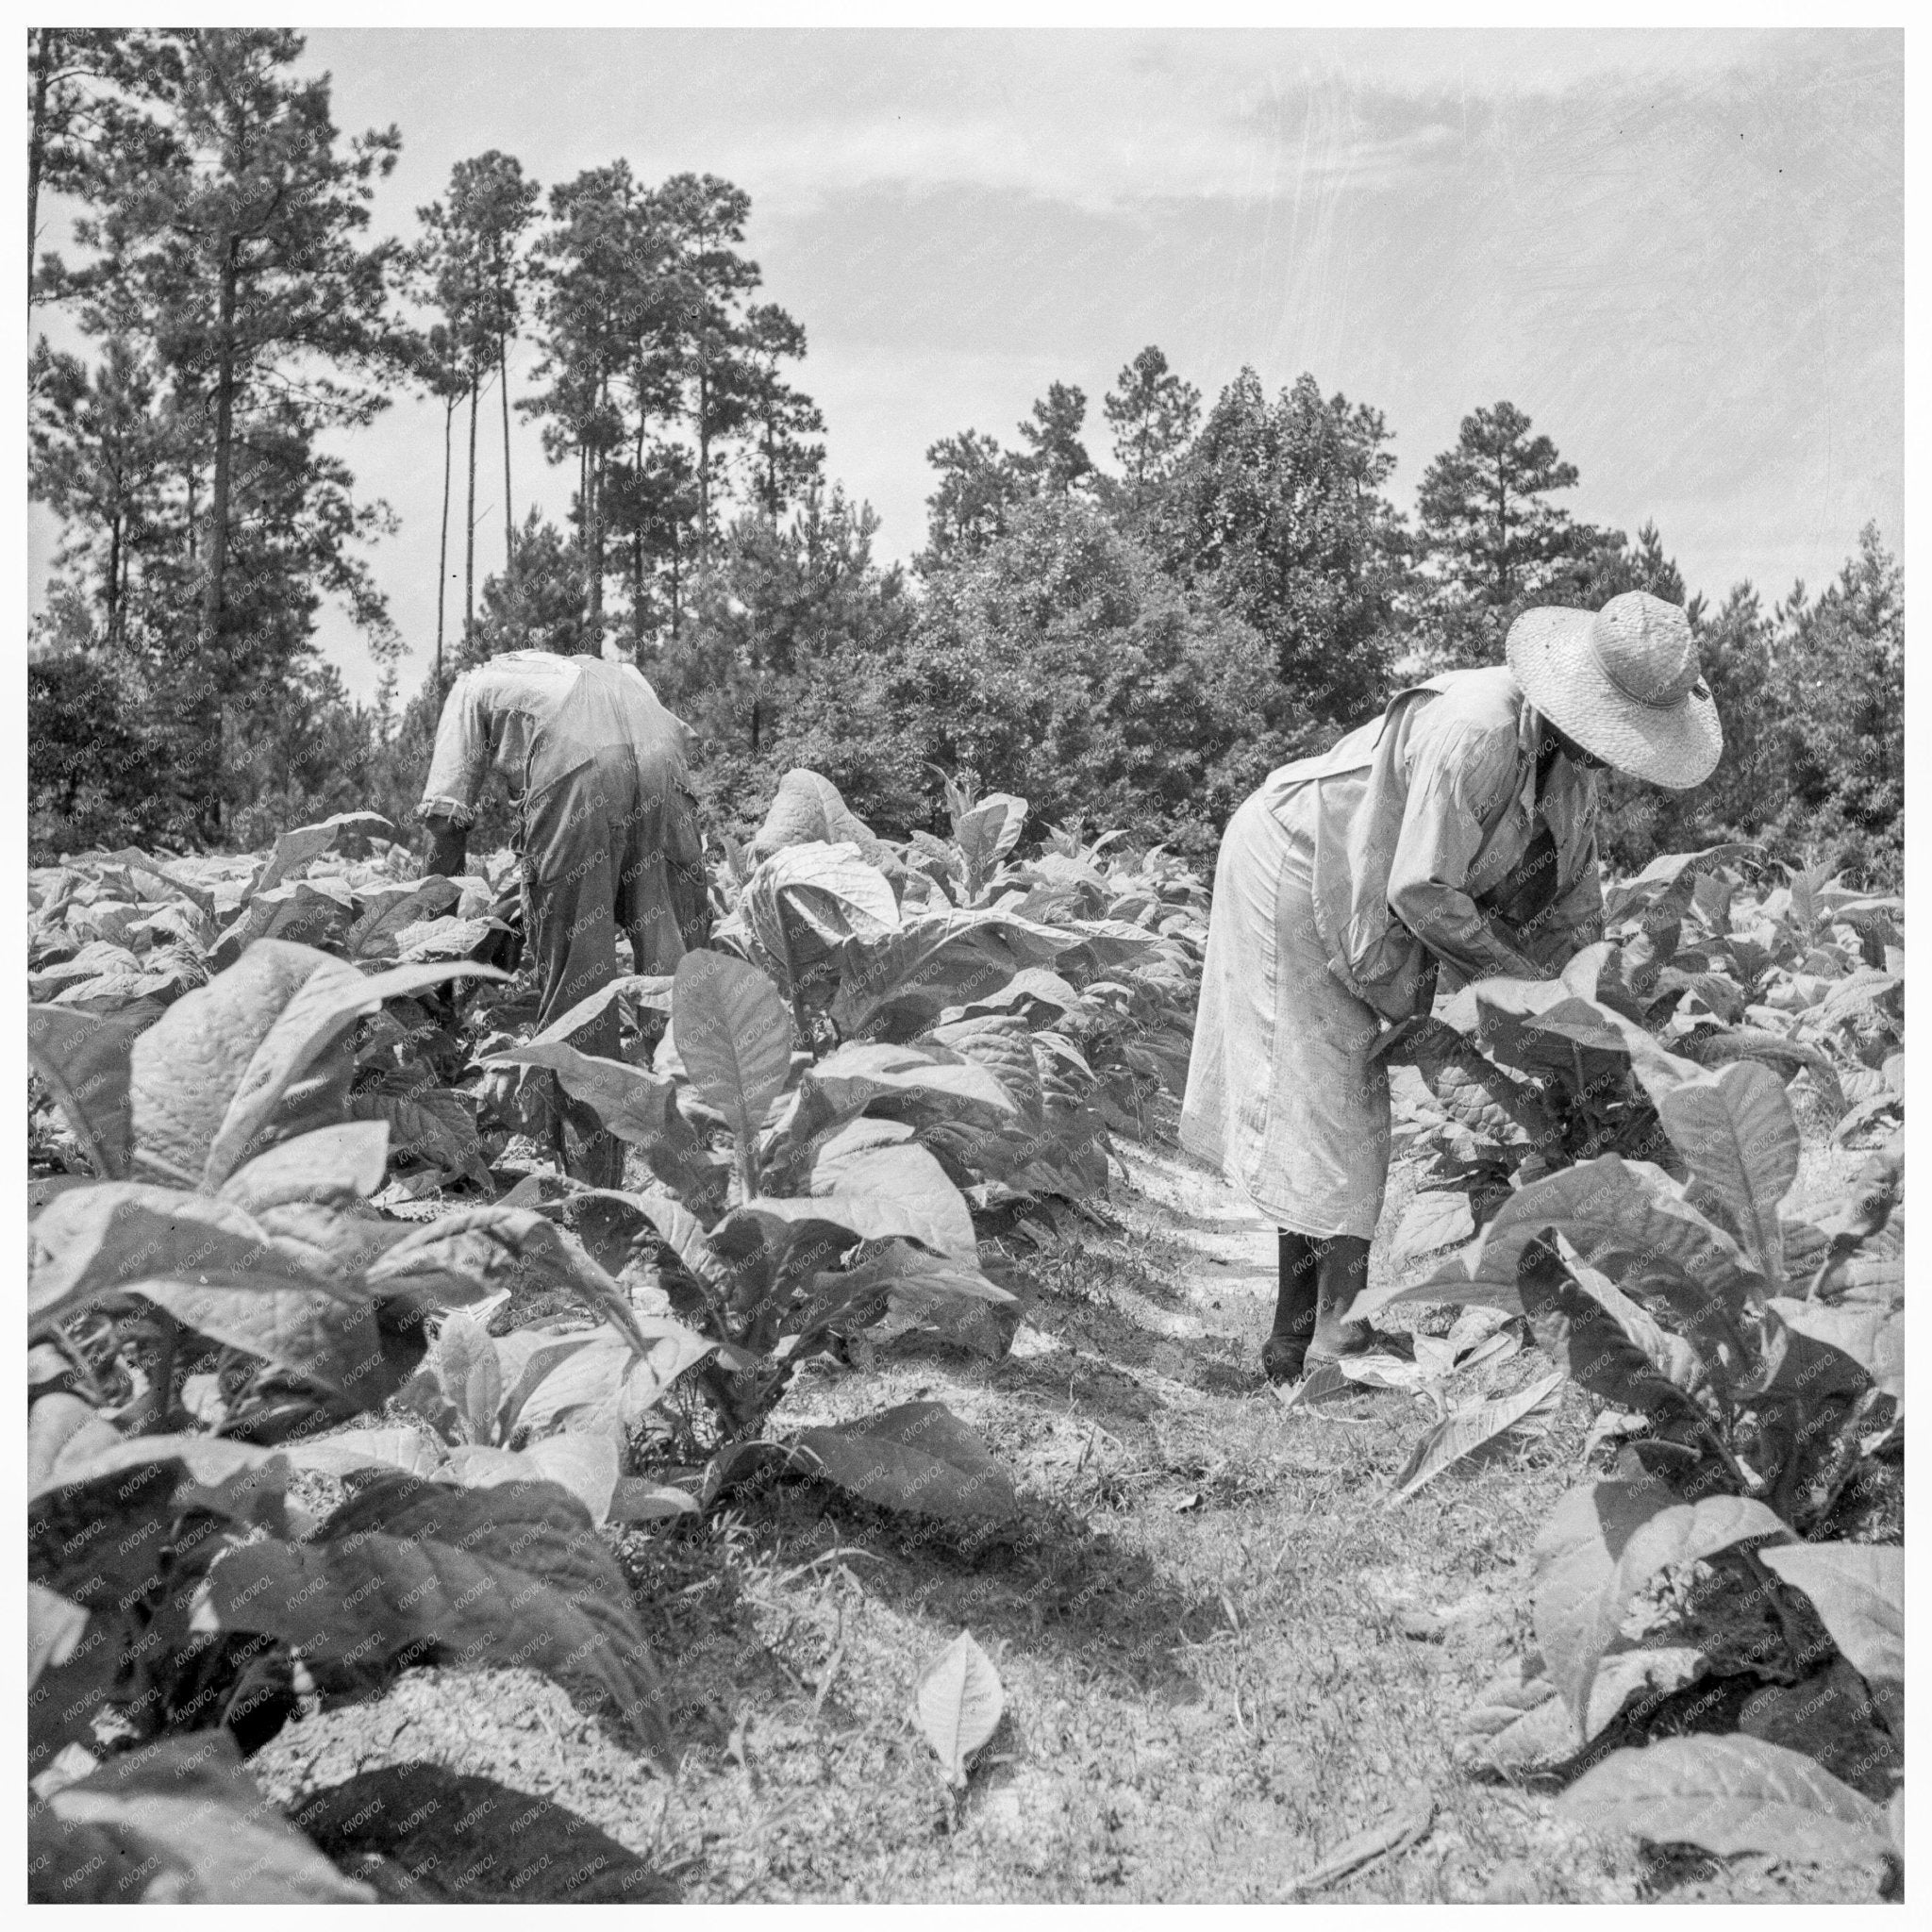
<point>1360,1338</point>
<point>1284,1357</point>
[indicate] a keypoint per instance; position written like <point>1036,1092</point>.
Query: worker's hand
<point>446,847</point>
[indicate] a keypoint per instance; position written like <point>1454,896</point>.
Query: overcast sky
<point>1681,253</point>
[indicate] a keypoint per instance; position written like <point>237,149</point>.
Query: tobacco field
<point>877,1495</point>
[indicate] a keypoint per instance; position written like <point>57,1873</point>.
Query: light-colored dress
<point>1341,884</point>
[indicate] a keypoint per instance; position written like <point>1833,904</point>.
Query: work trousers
<point>614,844</point>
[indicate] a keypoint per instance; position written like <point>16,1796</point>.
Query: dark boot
<point>1296,1305</point>
<point>1343,1274</point>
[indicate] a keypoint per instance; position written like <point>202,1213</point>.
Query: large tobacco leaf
<point>1728,1796</point>
<point>1858,1591</point>
<point>1737,1133</point>
<point>118,1235</point>
<point>918,1456</point>
<point>512,1573</point>
<point>1601,1545</point>
<point>245,1060</point>
<point>178,1821</point>
<point>84,1059</point>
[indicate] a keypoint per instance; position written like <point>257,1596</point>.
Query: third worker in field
<point>1455,836</point>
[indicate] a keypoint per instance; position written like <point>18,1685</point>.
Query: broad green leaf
<point>895,1190</point>
<point>54,1629</point>
<point>610,1384</point>
<point>652,989</point>
<point>1737,1132</point>
<point>632,1104</point>
<point>1663,872</point>
<point>918,1456</point>
<point>1858,1591</point>
<point>806,900</point>
<point>300,913</point>
<point>585,1463</point>
<point>61,1427</point>
<point>1601,1545</point>
<point>1461,1434</point>
<point>1728,1796</point>
<point>1519,1721</point>
<point>331,1164</point>
<point>313,1331</point>
<point>406,1450</point>
<point>1003,1044</point>
<point>916,1081</point>
<point>210,1076</point>
<point>137,861</point>
<point>119,1234</point>
<point>1618,1217</point>
<point>896,986</point>
<point>735,1038</point>
<point>1435,1220</point>
<point>297,850</point>
<point>959,1699</point>
<point>387,910</point>
<point>1873,1335</point>
<point>463,1360</point>
<point>987,833</point>
<point>431,1125</point>
<point>1604,1341</point>
<point>807,809</point>
<point>84,1059</point>
<point>526,1357</point>
<point>462,1257</point>
<point>635,1500</point>
<point>178,1821</point>
<point>560,1605</point>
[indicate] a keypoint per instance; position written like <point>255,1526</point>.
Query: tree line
<point>1134,645</point>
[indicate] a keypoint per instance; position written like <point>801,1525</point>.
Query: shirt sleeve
<point>1459,784</point>
<point>460,759</point>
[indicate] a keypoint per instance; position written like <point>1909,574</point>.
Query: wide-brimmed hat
<point>1624,683</point>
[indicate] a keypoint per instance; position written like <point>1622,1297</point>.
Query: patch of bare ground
<point>1222,1656</point>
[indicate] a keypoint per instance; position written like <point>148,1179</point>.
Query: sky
<point>1680,252</point>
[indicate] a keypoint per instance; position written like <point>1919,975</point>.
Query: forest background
<point>1128,611</point>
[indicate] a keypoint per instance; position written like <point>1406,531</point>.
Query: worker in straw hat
<point>1453,837</point>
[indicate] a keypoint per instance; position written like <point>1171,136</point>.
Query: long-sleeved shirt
<point>536,717</point>
<point>1427,824</point>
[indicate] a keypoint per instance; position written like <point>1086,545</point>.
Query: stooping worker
<point>1457,830</point>
<point>606,837</point>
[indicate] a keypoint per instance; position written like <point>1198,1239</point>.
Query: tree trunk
<point>45,42</point>
<point>595,547</point>
<point>470,534</point>
<point>114,581</point>
<point>704,428</point>
<point>449,411</point>
<point>637,554</point>
<point>509,530</point>
<point>211,668</point>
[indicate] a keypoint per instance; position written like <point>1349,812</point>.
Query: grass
<point>1222,1656</point>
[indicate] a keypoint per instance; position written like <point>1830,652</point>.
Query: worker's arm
<point>445,849</point>
<point>458,766</point>
<point>1459,785</point>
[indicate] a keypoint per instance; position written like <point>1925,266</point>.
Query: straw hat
<point>1624,683</point>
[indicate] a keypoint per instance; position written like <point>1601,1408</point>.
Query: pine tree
<point>226,241</point>
<point>1057,459</point>
<point>1153,415</point>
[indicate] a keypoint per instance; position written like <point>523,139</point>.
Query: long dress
<point>1341,884</point>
